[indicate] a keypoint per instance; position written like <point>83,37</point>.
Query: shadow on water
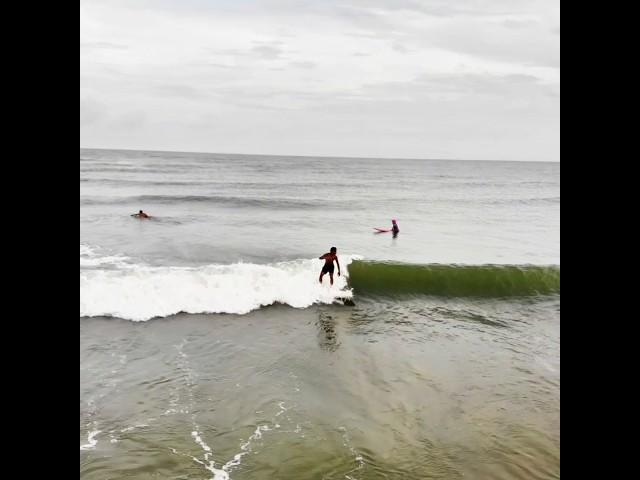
<point>327,333</point>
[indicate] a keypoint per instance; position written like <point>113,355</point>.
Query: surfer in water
<point>394,228</point>
<point>140,214</point>
<point>328,263</point>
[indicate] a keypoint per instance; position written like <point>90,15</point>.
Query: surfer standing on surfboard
<point>328,263</point>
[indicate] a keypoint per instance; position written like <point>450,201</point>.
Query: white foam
<point>218,474</point>
<point>357,456</point>
<point>223,473</point>
<point>128,429</point>
<point>200,442</point>
<point>245,448</point>
<point>91,438</point>
<point>92,257</point>
<point>138,292</point>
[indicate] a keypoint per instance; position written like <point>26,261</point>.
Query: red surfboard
<point>381,230</point>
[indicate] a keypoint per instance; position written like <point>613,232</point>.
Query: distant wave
<point>231,201</point>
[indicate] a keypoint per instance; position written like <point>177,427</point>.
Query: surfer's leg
<point>331,277</point>
<point>321,275</point>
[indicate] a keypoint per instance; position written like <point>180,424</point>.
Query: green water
<point>409,389</point>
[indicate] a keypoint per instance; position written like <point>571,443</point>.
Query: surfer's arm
<point>338,263</point>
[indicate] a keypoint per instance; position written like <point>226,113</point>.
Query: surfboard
<point>382,230</point>
<point>346,301</point>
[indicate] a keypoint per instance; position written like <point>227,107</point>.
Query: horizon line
<point>323,156</point>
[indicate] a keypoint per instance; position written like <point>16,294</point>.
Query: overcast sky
<point>380,78</point>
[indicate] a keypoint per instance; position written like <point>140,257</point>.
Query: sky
<point>456,79</point>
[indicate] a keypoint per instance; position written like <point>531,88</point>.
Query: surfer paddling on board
<point>328,263</point>
<point>140,214</point>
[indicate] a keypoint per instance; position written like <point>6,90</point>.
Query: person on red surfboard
<point>328,263</point>
<point>394,228</point>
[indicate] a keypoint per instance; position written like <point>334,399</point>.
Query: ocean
<point>209,350</point>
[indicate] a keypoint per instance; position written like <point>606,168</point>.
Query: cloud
<point>267,52</point>
<point>528,44</point>
<point>130,121</point>
<point>303,64</point>
<point>399,47</point>
<point>91,112</point>
<point>403,78</point>
<point>182,91</point>
<point>103,45</point>
<point>519,23</point>
<point>260,50</point>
